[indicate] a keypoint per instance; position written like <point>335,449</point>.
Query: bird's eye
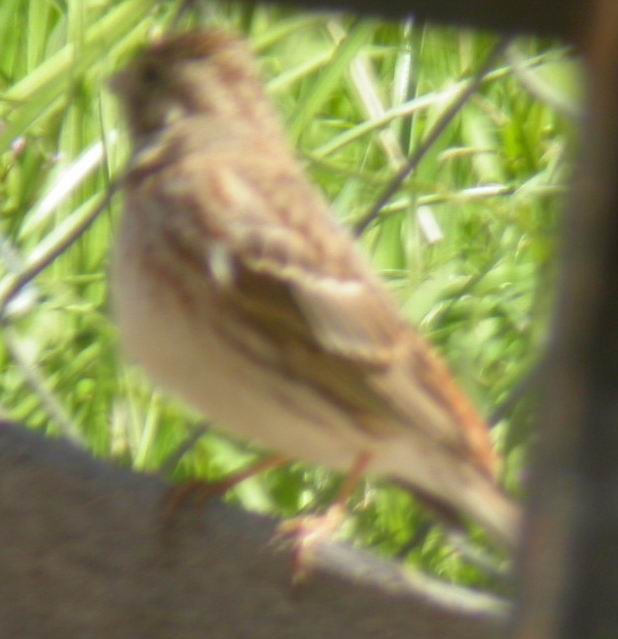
<point>151,74</point>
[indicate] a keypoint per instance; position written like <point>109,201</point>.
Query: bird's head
<point>198,73</point>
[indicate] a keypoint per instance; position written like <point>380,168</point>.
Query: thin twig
<point>38,385</point>
<point>433,135</point>
<point>195,434</point>
<point>34,269</point>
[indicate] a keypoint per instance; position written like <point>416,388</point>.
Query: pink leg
<point>309,531</point>
<point>202,491</point>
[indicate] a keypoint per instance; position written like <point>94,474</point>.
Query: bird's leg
<point>202,491</point>
<point>309,531</point>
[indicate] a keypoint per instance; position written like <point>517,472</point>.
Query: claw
<point>305,534</point>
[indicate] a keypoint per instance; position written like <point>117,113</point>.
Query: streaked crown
<point>193,73</point>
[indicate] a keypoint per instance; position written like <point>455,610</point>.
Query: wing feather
<point>296,276</point>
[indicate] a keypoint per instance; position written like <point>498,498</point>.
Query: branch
<point>559,18</point>
<point>571,552</point>
<point>85,553</point>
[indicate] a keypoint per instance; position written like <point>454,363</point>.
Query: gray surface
<point>84,553</point>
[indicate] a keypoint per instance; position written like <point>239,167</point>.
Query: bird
<point>236,289</point>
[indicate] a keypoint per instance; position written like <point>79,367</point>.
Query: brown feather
<point>248,299</point>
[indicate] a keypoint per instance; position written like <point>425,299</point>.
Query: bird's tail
<point>483,502</point>
<point>488,505</point>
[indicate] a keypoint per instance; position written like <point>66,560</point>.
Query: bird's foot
<point>308,532</point>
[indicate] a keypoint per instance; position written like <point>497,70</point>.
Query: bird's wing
<point>294,275</point>
<point>279,232</point>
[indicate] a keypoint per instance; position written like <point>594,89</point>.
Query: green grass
<point>494,183</point>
